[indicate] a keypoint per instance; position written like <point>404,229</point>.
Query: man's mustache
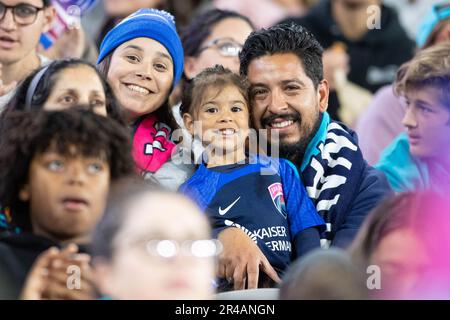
<point>286,117</point>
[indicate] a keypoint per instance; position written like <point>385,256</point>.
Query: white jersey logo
<point>222,212</point>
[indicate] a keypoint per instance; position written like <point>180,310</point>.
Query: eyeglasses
<point>227,47</point>
<point>167,249</point>
<point>23,14</point>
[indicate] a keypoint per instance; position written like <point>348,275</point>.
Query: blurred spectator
<point>418,159</point>
<point>368,31</point>
<point>20,31</point>
<point>63,84</point>
<point>383,117</point>
<point>269,11</point>
<point>214,37</point>
<point>152,244</point>
<point>406,241</point>
<point>411,12</point>
<point>55,172</point>
<point>324,275</point>
<point>116,10</point>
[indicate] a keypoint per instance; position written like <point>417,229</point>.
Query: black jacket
<point>17,255</point>
<point>374,59</point>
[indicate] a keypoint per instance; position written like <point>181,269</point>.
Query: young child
<point>273,209</point>
<point>55,172</point>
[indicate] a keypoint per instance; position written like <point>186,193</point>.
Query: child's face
<point>18,41</point>
<point>79,85</point>
<point>66,194</point>
<point>224,119</point>
<point>427,122</point>
<point>138,271</point>
<point>141,74</point>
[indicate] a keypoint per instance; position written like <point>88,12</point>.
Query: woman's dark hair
<point>45,84</point>
<point>285,38</point>
<point>216,77</point>
<point>30,133</point>
<point>123,193</point>
<point>163,113</point>
<point>424,213</point>
<point>201,27</point>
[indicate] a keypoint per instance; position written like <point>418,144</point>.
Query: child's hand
<point>48,279</point>
<point>241,260</point>
<point>70,276</point>
<point>36,280</point>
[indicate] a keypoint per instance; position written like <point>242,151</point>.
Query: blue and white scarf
<point>331,170</point>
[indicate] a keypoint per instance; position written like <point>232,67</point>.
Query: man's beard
<point>295,152</point>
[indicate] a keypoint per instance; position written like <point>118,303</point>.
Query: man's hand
<point>5,88</point>
<point>241,260</point>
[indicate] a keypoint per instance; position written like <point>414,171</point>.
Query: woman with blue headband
<point>142,58</point>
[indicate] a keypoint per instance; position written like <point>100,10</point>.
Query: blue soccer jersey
<point>264,197</point>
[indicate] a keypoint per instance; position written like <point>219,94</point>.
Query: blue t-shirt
<point>264,197</point>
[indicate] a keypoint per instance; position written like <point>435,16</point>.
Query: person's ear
<point>189,123</point>
<point>323,93</point>
<point>190,69</point>
<point>24,193</point>
<point>49,17</point>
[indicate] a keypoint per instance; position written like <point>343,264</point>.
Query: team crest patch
<point>276,193</point>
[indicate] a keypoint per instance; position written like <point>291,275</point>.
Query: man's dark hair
<point>30,133</point>
<point>47,3</point>
<point>285,38</point>
<point>49,79</point>
<point>201,26</point>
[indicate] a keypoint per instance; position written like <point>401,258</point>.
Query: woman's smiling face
<point>141,75</point>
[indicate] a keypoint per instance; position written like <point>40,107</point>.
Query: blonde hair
<point>429,67</point>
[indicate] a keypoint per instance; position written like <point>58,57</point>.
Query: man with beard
<point>289,97</point>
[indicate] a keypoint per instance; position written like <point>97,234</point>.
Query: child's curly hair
<point>216,77</point>
<point>27,134</point>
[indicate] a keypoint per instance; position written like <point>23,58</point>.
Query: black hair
<point>215,77</point>
<point>285,38</point>
<point>47,3</point>
<point>201,26</point>
<point>48,80</point>
<point>30,133</point>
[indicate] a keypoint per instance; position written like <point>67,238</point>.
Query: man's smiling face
<point>284,99</point>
